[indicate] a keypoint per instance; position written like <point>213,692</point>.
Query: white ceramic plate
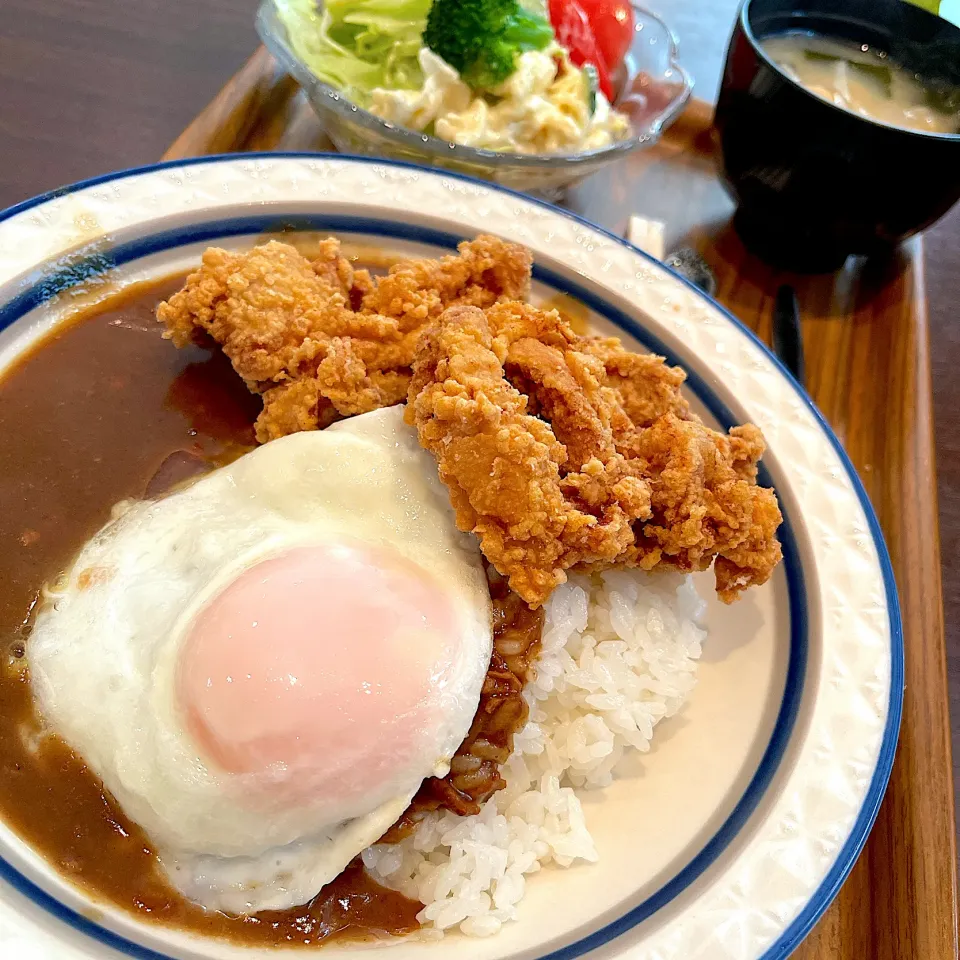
<point>757,798</point>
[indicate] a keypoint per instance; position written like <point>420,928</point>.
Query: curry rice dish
<point>288,525</point>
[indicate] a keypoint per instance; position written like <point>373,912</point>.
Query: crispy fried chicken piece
<point>706,504</point>
<point>262,306</point>
<point>505,468</point>
<point>320,340</point>
<point>646,386</point>
<point>567,452</point>
<point>292,408</point>
<point>486,270</point>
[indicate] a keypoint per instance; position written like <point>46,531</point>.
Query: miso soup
<point>864,80</point>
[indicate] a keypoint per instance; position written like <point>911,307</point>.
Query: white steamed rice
<point>620,653</point>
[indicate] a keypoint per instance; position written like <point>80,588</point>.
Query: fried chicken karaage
<point>559,451</point>
<point>562,451</point>
<point>321,340</point>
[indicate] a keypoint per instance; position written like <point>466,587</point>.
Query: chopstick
<point>787,334</point>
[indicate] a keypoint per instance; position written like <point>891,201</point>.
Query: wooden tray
<point>868,369</point>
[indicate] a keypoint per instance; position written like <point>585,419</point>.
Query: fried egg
<point>264,667</point>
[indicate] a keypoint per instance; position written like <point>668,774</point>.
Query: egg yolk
<point>316,670</point>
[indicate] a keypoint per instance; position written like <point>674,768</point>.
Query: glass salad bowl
<point>653,89</point>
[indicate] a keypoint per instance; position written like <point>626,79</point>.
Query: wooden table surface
<point>92,85</point>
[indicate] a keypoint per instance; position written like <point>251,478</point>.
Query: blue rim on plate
<point>45,287</point>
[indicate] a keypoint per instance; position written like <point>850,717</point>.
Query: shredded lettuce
<point>357,45</point>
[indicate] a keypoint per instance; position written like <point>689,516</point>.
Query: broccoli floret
<point>482,38</point>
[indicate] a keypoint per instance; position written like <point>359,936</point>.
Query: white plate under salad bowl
<point>655,90</point>
<point>756,800</point>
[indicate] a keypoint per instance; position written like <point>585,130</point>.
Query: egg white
<point>104,651</point>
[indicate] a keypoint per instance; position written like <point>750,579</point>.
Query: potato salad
<point>547,105</point>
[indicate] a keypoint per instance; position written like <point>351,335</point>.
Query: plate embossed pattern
<point>756,901</point>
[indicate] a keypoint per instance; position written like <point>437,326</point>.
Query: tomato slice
<point>612,23</point>
<point>573,30</point>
